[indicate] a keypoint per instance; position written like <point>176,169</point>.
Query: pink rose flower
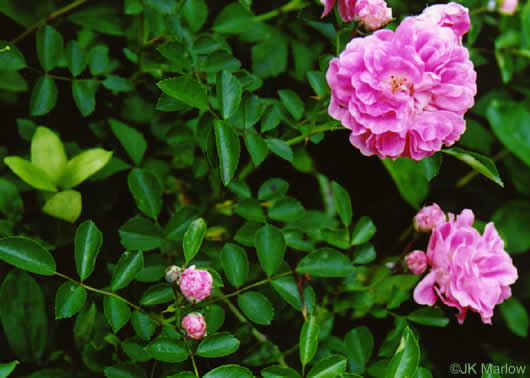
<point>469,271</point>
<point>194,325</point>
<point>428,218</point>
<point>452,15</point>
<point>195,284</point>
<point>346,9</point>
<point>403,93</point>
<point>416,262</point>
<point>508,7</point>
<point>373,14</point>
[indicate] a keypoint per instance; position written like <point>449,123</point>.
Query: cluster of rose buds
<point>469,271</point>
<point>195,285</point>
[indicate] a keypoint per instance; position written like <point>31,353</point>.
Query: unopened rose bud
<point>428,218</point>
<point>373,14</point>
<point>173,273</point>
<point>195,284</point>
<point>508,7</point>
<point>416,262</point>
<point>194,325</point>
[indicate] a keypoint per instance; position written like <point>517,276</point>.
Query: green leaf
<point>129,264</point>
<point>270,246</point>
<point>269,58</point>
<point>364,254</point>
<point>11,59</point>
<point>84,165</point>
<point>98,60</point>
<point>235,264</point>
<point>188,91</point>
<point>409,178</point>
<point>256,147</point>
<point>124,370</point>
<point>84,324</point>
<point>23,315</point>
<point>167,350</point>
<point>509,121</point>
<point>287,288</point>
<point>513,222</point>
<point>515,316</point>
<point>132,140</point>
<point>65,205</point>
<point>50,46</point>
<point>359,344</point>
<point>141,234</point>
<point>43,97</point>
<point>233,19</point>
<point>13,81</point>
<point>317,80</point>
<point>272,118</point>
<point>69,300</point>
<point>195,13</point>
<point>363,231</point>
<point>143,325</point>
<point>328,367</point>
<point>280,148</point>
<point>27,254</point>
<point>158,294</point>
<point>407,357</point>
<point>342,201</point>
<point>431,165</point>
<point>7,368</point>
<point>325,262</point>
<point>87,244</point>
<point>228,93</point>
<point>218,345</point>
<point>292,103</point>
<point>162,6</point>
<point>47,153</point>
<point>116,312</point>
<point>11,204</point>
<point>240,188</point>
<point>117,84</point>
<point>256,307</point>
<point>309,340</point>
<point>251,210</point>
<point>147,192</point>
<point>273,189</point>
<point>30,173</point>
<point>286,210</point>
<point>279,372</point>
<point>193,238</point>
<point>102,18</point>
<point>228,150</point>
<point>429,316</point>
<point>84,94</point>
<point>480,163</point>
<point>336,237</point>
<point>229,371</point>
<point>75,58</point>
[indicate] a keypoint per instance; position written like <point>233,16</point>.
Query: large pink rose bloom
<point>469,271</point>
<point>403,93</point>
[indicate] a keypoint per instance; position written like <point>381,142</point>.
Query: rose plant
<point>179,197</point>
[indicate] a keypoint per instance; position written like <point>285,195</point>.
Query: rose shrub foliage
<point>178,197</point>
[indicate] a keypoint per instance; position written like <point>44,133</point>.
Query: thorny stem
<point>467,178</point>
<point>314,131</point>
<point>290,6</point>
<point>192,358</point>
<point>51,17</point>
<point>248,287</point>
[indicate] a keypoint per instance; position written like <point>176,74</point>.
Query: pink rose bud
<point>195,284</point>
<point>194,325</point>
<point>508,7</point>
<point>346,8</point>
<point>373,14</point>
<point>428,218</point>
<point>453,16</point>
<point>173,273</point>
<point>416,262</point>
<point>469,271</point>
